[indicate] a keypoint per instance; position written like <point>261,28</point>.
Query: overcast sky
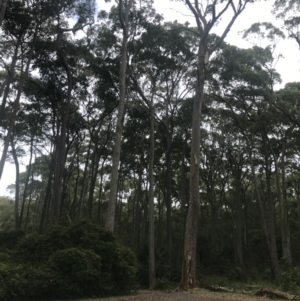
<point>288,67</point>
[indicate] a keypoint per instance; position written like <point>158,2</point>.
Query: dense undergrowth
<point>82,260</point>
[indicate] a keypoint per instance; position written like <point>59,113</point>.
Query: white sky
<point>288,67</point>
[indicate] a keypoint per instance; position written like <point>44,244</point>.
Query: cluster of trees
<point>138,125</point>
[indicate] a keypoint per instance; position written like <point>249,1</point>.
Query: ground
<point>193,295</point>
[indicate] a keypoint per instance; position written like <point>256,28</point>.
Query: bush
<point>77,273</point>
<point>78,261</point>
<point>290,280</point>
<point>11,282</point>
<point>9,240</point>
<point>22,282</point>
<point>38,248</point>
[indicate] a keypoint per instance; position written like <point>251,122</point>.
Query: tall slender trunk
<point>72,207</point>
<point>270,203</point>
<point>16,104</point>
<point>84,180</point>
<point>47,200</point>
<point>94,173</point>
<point>30,198</point>
<point>5,86</point>
<point>111,211</point>
<point>61,147</point>
<point>138,202</point>
<point>238,219</point>
<point>26,182</point>
<point>17,189</point>
<point>169,196</point>
<point>286,227</point>
<point>189,276</point>
<point>100,191</point>
<point>152,277</point>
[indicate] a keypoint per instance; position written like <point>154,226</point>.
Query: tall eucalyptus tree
<point>207,15</point>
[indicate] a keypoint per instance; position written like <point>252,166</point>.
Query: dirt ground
<point>193,295</point>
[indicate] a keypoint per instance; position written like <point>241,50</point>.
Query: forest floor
<point>192,295</point>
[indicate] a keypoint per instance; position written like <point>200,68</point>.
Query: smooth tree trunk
<point>270,203</point>
<point>30,198</point>
<point>152,277</point>
<point>286,241</point>
<point>238,218</point>
<point>100,192</point>
<point>26,182</point>
<point>169,195</point>
<point>84,180</point>
<point>17,184</point>
<point>47,199</point>
<point>111,211</point>
<point>5,86</point>
<point>61,147</point>
<point>188,276</point>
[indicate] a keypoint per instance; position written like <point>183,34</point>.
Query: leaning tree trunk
<point>111,211</point>
<point>16,104</point>
<point>5,86</point>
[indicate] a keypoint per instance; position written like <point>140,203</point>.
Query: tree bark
<point>152,278</point>
<point>61,147</point>
<point>286,227</point>
<point>8,80</point>
<point>270,207</point>
<point>16,105</point>
<point>111,211</point>
<point>188,276</point>
<point>47,200</point>
<point>17,189</point>
<point>26,182</point>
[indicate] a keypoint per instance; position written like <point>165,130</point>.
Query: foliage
<point>21,282</point>
<point>6,213</point>
<point>290,280</point>
<point>9,239</point>
<point>76,272</point>
<point>80,260</point>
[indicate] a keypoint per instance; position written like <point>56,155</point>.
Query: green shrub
<point>290,280</point>
<point>68,261</point>
<point>38,248</point>
<point>11,282</point>
<point>8,240</point>
<point>77,273</point>
<point>164,284</point>
<point>20,282</point>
